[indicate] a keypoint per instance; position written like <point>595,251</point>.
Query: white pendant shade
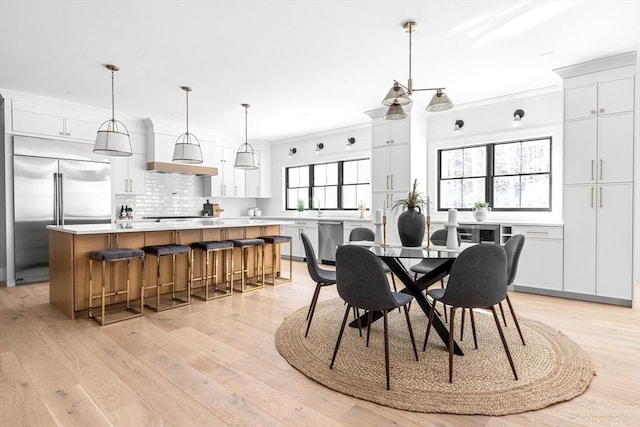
<point>245,160</point>
<point>112,140</point>
<point>186,150</point>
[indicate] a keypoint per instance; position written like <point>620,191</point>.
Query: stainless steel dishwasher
<point>329,237</point>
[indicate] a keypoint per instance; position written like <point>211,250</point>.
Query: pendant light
<point>187,148</point>
<point>113,137</point>
<point>399,94</point>
<point>245,157</point>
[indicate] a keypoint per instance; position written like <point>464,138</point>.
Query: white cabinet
<point>389,167</point>
<point>54,121</point>
<point>540,264</point>
<point>308,227</point>
<point>258,181</point>
<point>385,200</point>
<point>230,182</point>
<point>598,193</point>
<point>128,173</point>
<point>387,132</point>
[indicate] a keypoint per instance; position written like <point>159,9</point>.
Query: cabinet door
<point>399,166</point>
<point>580,102</point>
<point>84,130</point>
<point>540,264</point>
<point>580,239</point>
<point>615,148</point>
<point>38,123</point>
<point>381,134</point>
<point>614,241</point>
<point>137,171</point>
<point>252,179</point>
<point>120,175</point>
<point>615,96</point>
<point>580,151</point>
<point>380,169</point>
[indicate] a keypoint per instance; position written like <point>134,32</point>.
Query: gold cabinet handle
<point>593,111</point>
<point>592,167</point>
<point>600,196</point>
<point>602,110</point>
<point>591,196</point>
<point>600,169</point>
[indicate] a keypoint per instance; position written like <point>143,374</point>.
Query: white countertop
<point>190,224</point>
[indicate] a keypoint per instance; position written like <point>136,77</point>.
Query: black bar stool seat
<point>209,250</point>
<point>278,240</point>
<point>161,301</point>
<point>244,245</point>
<point>105,256</point>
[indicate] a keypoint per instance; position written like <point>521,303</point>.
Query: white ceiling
<point>303,65</point>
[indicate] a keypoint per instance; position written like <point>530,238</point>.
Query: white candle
<point>378,216</point>
<point>453,216</point>
<point>428,206</point>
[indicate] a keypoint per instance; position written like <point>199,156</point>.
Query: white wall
<point>335,148</point>
<point>492,121</point>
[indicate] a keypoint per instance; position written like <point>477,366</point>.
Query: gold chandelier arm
<point>430,88</point>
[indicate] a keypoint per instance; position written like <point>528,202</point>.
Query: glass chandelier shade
<point>440,102</point>
<point>187,148</point>
<point>245,157</point>
<point>112,138</point>
<point>395,112</point>
<point>397,94</point>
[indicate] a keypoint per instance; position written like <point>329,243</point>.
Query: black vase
<point>411,226</point>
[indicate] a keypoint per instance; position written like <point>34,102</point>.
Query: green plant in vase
<point>481,210</point>
<point>300,206</point>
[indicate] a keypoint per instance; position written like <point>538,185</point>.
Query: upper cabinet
<point>611,95</point>
<point>58,122</point>
<point>128,173</point>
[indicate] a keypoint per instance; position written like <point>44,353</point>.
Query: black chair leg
<point>356,317</point>
<point>473,328</point>
<point>312,308</point>
<point>413,340</point>
<point>344,322</point>
<point>451,317</point>
<point>462,325</point>
<point>386,347</point>
<point>504,342</point>
<point>369,319</point>
<point>515,319</point>
<point>444,305</point>
<point>504,319</point>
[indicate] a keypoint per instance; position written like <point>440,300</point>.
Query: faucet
<point>319,208</point>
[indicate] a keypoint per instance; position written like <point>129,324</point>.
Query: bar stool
<point>112,256</point>
<point>210,250</point>
<point>160,251</point>
<point>276,241</point>
<point>244,245</point>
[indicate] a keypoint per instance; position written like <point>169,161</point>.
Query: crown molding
<point>600,64</point>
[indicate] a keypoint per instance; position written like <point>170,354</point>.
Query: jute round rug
<point>551,368</point>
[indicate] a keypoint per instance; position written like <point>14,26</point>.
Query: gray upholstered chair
<point>362,283</point>
<point>478,279</point>
<point>513,248</point>
<point>438,238</point>
<point>321,276</point>
<point>367,235</point>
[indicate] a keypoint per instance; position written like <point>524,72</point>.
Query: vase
<point>481,214</point>
<point>411,227</point>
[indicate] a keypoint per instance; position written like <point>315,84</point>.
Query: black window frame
<point>312,184</point>
<point>490,174</point>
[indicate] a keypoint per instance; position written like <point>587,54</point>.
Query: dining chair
<point>367,235</point>
<point>319,275</point>
<point>438,238</point>
<point>362,283</point>
<point>478,279</point>
<point>513,248</point>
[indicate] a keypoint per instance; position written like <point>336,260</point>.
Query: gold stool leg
<point>103,297</point>
<point>90,287</point>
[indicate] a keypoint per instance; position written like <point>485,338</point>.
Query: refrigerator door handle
<point>56,219</point>
<point>61,201</point>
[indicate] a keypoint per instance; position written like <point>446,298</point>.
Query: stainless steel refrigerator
<point>54,191</point>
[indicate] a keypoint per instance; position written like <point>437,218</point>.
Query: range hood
<point>180,168</point>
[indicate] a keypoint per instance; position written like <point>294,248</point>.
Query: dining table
<point>398,258</point>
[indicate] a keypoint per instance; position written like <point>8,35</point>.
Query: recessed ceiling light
<point>547,54</point>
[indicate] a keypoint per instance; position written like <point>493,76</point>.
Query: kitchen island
<point>70,245</point>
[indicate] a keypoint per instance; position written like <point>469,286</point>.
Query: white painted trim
<point>600,64</point>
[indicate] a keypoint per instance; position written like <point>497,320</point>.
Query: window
<point>335,185</point>
<point>514,175</point>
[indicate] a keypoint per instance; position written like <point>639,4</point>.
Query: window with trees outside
<point>342,184</point>
<point>510,176</point>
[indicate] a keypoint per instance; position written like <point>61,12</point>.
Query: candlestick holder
<point>384,231</point>
<point>428,232</point>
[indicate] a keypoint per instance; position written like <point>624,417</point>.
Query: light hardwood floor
<point>215,363</point>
